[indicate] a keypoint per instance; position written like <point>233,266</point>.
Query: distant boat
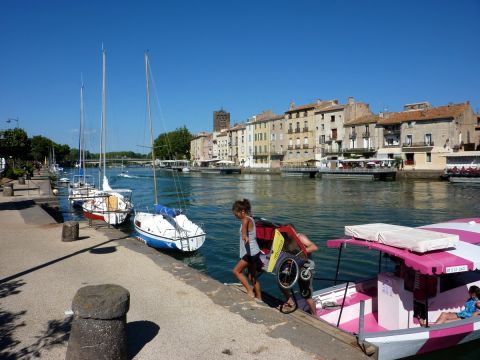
<point>110,205</point>
<point>463,167</point>
<point>165,228</point>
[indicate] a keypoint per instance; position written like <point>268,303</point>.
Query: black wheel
<point>288,273</point>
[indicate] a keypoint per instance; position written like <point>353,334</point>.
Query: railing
<point>391,132</point>
<point>297,146</point>
<point>366,134</point>
<point>368,149</point>
<point>305,146</point>
<point>353,135</point>
<point>418,144</point>
<point>290,131</point>
<point>358,170</point>
<point>297,130</point>
<point>391,145</point>
<point>409,162</point>
<point>305,129</point>
<point>290,147</point>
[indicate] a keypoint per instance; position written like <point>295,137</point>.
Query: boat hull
<point>164,232</point>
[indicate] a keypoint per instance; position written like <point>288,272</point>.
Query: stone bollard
<point>70,231</point>
<point>99,328</point>
<point>8,190</point>
<point>21,181</point>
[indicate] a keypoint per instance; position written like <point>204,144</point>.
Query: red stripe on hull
<point>93,216</point>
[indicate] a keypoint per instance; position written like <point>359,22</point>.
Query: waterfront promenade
<point>176,312</point>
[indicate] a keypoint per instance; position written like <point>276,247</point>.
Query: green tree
<point>40,147</point>
<point>173,145</point>
<point>15,143</point>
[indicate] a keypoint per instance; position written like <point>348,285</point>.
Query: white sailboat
<point>82,187</point>
<point>166,228</point>
<point>110,205</point>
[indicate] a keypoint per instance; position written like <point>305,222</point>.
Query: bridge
<point>120,161</point>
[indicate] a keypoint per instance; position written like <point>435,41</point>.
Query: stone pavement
<point>176,312</point>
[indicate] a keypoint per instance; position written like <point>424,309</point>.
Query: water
<point>318,208</point>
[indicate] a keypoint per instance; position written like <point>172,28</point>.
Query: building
<point>201,147</point>
<point>266,146</point>
<point>362,137</point>
<point>220,145</point>
<point>278,141</point>
<point>422,134</point>
<point>300,132</point>
<point>221,120</point>
<point>249,130</point>
<point>236,141</point>
<point>330,120</point>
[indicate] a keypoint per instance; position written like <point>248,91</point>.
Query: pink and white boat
<point>435,266</point>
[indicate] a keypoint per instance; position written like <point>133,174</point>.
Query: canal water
<point>319,208</point>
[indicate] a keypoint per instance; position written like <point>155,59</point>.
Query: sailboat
<point>110,205</point>
<point>165,228</point>
<point>82,186</point>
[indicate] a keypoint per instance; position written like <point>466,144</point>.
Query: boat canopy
<point>417,240</point>
<point>163,210</point>
<point>464,256</point>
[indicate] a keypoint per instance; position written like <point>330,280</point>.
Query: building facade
<point>201,147</point>
<point>422,134</point>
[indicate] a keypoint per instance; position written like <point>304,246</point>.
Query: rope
<point>176,179</point>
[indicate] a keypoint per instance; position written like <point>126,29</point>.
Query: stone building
<point>221,120</point>
<point>299,129</point>
<point>201,147</point>
<point>362,137</point>
<point>422,134</point>
<point>220,147</point>
<point>236,141</point>
<point>278,141</point>
<point>330,120</point>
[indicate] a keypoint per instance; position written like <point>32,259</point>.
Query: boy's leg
<point>238,272</point>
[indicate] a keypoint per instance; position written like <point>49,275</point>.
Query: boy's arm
<point>309,245</point>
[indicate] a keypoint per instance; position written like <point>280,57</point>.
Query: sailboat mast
<point>104,114</point>
<point>81,161</point>
<point>151,130</point>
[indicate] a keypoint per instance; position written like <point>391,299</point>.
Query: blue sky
<point>247,56</point>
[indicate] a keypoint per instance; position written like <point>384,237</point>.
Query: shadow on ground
<point>17,205</point>
<point>140,333</point>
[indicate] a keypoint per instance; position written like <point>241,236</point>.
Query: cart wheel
<point>287,273</point>
<point>305,274</point>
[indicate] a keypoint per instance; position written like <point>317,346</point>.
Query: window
<point>281,136</point>
<point>255,137</point>
<point>265,149</point>
<point>264,125</point>
<point>255,126</point>
<point>265,136</point>
<point>281,126</point>
<point>242,139</point>
<point>428,139</point>
<point>296,115</point>
<point>332,118</point>
<point>272,137</point>
<point>290,116</point>
<point>429,157</point>
<point>305,113</point>
<point>255,149</point>
<point>297,141</point>
<point>323,116</point>
<point>409,140</point>
<point>322,139</point>
<point>305,140</point>
<point>290,142</point>
<point>323,127</point>
<point>273,126</point>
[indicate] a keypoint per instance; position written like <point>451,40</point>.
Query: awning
<point>464,257</point>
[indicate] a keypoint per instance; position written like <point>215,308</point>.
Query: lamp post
<point>9,120</point>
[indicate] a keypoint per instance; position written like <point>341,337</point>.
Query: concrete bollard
<point>99,327</point>
<point>70,231</point>
<point>21,181</point>
<point>8,190</point>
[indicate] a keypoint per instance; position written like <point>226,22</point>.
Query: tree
<point>40,147</point>
<point>173,145</point>
<point>15,143</point>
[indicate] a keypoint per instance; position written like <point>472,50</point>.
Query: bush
<point>14,174</point>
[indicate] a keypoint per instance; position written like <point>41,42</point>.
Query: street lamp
<point>9,120</point>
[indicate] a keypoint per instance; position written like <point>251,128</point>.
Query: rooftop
<point>451,111</point>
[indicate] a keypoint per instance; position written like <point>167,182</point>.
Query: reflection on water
<point>319,208</point>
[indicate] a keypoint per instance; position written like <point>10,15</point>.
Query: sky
<point>245,56</point>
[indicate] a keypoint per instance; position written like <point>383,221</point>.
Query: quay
<point>176,312</point>
<point>340,173</point>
